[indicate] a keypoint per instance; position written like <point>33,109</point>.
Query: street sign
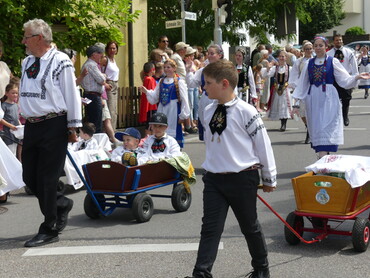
<point>173,24</point>
<point>190,16</point>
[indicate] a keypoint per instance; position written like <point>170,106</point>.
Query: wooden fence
<point>128,107</point>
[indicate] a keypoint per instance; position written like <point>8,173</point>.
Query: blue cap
<point>131,131</point>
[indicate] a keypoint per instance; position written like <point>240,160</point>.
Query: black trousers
<point>345,95</point>
<point>221,191</point>
<point>94,111</point>
<point>43,156</point>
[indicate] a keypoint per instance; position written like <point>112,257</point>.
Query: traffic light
<point>226,9</point>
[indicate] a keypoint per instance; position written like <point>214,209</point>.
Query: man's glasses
<point>164,41</point>
<point>28,37</point>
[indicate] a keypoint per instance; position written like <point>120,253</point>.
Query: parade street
<point>166,246</point>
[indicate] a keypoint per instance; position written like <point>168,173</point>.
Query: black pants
<point>221,191</point>
<point>345,95</point>
<point>43,157</point>
<point>94,111</point>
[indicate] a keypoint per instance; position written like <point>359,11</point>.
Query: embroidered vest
<point>168,92</point>
<point>202,83</point>
<point>321,74</point>
<point>281,80</point>
<point>365,61</point>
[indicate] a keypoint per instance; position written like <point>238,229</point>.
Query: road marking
<point>132,248</point>
<point>355,128</point>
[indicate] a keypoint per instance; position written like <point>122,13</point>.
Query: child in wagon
<point>159,145</point>
<point>130,150</point>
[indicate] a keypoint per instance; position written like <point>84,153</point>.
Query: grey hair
<point>39,26</point>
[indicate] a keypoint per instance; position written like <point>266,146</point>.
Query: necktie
<point>219,121</point>
<point>83,146</point>
<point>158,146</point>
<point>34,69</point>
<point>339,55</point>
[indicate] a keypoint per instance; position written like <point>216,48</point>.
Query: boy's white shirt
<point>91,144</point>
<point>172,149</point>
<point>243,143</point>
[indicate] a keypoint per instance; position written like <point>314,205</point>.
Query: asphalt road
<point>165,247</point>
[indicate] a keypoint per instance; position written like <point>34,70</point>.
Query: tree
<point>257,16</point>
<point>76,23</point>
<point>323,15</point>
<point>355,31</point>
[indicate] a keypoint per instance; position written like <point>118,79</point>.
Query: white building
<point>356,15</point>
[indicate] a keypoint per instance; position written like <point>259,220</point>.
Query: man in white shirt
<point>51,104</point>
<point>348,60</point>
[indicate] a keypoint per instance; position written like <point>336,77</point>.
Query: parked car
<point>357,45</point>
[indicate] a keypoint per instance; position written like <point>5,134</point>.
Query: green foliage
<point>321,15</point>
<point>257,16</point>
<point>82,23</point>
<point>355,30</point>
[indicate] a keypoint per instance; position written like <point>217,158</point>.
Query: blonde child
<point>131,139</point>
<point>11,115</point>
<point>172,95</point>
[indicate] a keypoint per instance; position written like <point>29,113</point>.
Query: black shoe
<point>346,121</point>
<point>41,239</point>
<point>259,273</point>
<point>366,95</point>
<point>191,130</point>
<point>4,198</point>
<point>307,141</point>
<point>62,216</point>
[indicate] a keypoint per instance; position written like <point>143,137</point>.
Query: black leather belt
<point>46,117</point>
<point>253,167</point>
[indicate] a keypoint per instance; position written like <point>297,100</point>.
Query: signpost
<point>173,23</point>
<point>181,22</point>
<point>190,16</point>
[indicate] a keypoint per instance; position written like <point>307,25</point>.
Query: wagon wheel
<point>297,223</point>
<point>180,199</point>
<point>361,234</point>
<point>90,208</point>
<point>142,207</point>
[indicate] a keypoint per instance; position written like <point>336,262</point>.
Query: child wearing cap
<point>237,145</point>
<point>130,138</point>
<point>160,144</point>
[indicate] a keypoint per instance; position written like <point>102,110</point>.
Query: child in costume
<point>159,145</point>
<point>85,150</point>
<point>172,95</point>
<point>237,145</point>
<point>130,148</point>
<point>86,140</point>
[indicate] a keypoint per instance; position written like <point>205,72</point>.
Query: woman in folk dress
<point>323,107</point>
<point>280,107</point>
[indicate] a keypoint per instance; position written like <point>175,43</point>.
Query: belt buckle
<point>51,115</point>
